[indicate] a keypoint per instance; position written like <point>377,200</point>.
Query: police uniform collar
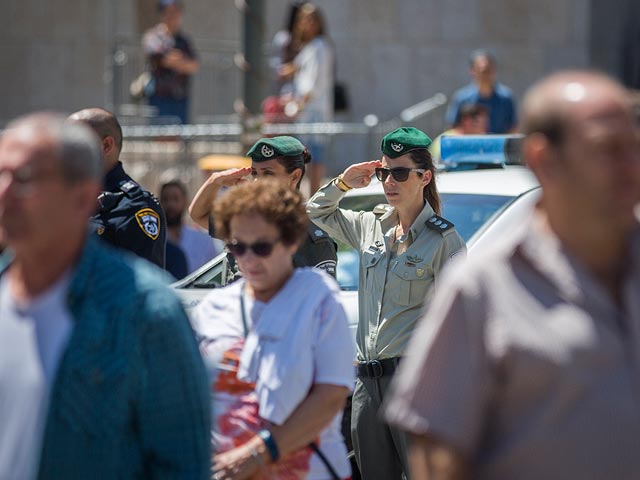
<point>115,177</point>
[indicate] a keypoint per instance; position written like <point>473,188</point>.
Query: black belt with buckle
<point>377,368</point>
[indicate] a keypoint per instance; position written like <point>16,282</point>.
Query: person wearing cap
<point>172,61</point>
<point>283,158</point>
<point>403,247</point>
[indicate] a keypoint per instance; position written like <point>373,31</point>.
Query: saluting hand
<point>229,178</point>
<point>359,175</point>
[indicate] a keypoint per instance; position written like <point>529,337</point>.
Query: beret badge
<point>397,147</point>
<point>267,151</point>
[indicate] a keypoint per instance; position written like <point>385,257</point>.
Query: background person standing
<point>282,158</point>
<point>196,244</point>
<point>485,90</point>
<point>128,217</point>
<point>403,249</point>
<point>313,76</point>
<point>172,60</point>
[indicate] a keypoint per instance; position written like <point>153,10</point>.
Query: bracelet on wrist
<point>340,183</point>
<point>266,436</point>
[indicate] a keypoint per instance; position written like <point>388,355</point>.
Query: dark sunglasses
<point>399,174</point>
<point>261,249</point>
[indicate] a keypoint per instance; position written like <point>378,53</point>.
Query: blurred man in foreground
<point>526,365</point>
<point>99,370</point>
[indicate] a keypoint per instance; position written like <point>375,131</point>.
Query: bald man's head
<point>554,103</point>
<point>106,126</point>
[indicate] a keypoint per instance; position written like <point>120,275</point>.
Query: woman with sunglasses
<point>278,343</point>
<point>403,248</point>
<point>282,158</point>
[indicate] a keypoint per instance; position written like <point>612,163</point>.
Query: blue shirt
<point>502,108</point>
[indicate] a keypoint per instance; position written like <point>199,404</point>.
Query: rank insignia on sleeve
<point>149,222</point>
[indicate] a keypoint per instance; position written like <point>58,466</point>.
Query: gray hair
<point>77,147</point>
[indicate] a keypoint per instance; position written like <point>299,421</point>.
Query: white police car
<point>482,203</point>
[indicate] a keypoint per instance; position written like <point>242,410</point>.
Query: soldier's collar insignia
<point>149,222</point>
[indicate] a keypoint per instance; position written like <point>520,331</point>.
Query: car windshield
<point>467,211</point>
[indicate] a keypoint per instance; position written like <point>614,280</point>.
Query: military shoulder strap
<point>439,224</point>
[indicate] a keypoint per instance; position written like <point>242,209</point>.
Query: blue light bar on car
<point>480,151</point>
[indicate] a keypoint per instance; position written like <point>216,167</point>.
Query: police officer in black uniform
<point>128,216</point>
<point>281,157</point>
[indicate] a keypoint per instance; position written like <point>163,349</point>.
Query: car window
<point>468,212</point>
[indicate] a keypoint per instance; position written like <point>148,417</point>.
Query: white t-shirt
<point>315,75</point>
<point>235,403</point>
<point>33,336</point>
<point>197,246</point>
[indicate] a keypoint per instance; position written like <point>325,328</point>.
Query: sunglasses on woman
<point>399,174</point>
<point>261,249</point>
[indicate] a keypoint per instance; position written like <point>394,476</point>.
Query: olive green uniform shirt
<point>391,288</point>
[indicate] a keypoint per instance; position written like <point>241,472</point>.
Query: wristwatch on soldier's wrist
<point>339,182</point>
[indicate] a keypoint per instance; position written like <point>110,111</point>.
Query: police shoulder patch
<point>149,222</point>
<point>439,224</point>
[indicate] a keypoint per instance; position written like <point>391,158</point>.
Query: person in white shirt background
<point>312,71</point>
<point>277,346</point>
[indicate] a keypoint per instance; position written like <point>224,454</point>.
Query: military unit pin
<point>397,147</point>
<point>267,151</point>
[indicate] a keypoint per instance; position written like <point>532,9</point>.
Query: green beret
<point>403,140</point>
<point>268,148</point>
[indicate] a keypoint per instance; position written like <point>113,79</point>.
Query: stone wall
<point>58,54</point>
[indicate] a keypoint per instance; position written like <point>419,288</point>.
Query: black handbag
<point>340,97</point>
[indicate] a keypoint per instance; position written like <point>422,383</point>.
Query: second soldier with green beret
<point>284,158</point>
<point>403,247</point>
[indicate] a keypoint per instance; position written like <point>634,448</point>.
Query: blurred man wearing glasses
<point>99,370</point>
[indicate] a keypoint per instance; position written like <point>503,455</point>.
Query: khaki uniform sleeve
<point>344,225</point>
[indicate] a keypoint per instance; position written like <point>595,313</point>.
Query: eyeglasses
<point>261,249</point>
<point>399,174</point>
<point>23,181</point>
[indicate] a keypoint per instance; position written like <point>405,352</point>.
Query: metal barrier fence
<point>159,153</point>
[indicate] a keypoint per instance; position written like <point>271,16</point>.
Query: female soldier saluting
<point>402,251</point>
<point>284,159</point>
